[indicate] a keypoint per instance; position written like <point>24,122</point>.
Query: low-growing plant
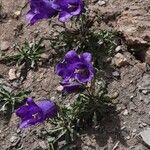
<point>87,110</point>
<point>28,54</point>
<point>82,37</point>
<point>10,100</point>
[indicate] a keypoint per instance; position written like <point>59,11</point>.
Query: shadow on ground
<point>108,128</point>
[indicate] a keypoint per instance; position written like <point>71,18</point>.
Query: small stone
<point>13,139</point>
<point>140,125</point>
<point>17,14</point>
<point>145,92</point>
<point>118,48</point>
<point>144,124</point>
<point>4,45</point>
<point>125,113</point>
<point>119,60</point>
<point>12,74</point>
<point>134,130</point>
<point>101,3</point>
<point>42,145</point>
<point>131,97</point>
<point>114,95</point>
<point>116,74</point>
<point>146,136</point>
<point>59,88</point>
<point>123,127</point>
<point>18,131</point>
<point>44,56</point>
<point>128,137</point>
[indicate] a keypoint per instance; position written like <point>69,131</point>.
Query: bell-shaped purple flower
<point>36,112</point>
<point>40,9</point>
<point>71,86</point>
<point>68,8</point>
<point>76,67</point>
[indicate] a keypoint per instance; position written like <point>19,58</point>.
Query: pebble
<point>142,124</point>
<point>116,74</point>
<point>114,95</point>
<point>17,14</point>
<point>145,92</point>
<point>123,127</point>
<point>42,145</point>
<point>101,3</point>
<point>13,139</point>
<point>18,131</point>
<point>45,56</point>
<point>128,137</point>
<point>125,113</point>
<point>119,60</point>
<point>131,97</point>
<point>134,130</point>
<point>59,88</point>
<point>12,74</point>
<point>146,136</point>
<point>118,48</point>
<point>4,45</point>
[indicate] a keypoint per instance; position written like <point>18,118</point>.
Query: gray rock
<point>18,130</point>
<point>12,74</point>
<point>118,48</point>
<point>43,145</point>
<point>116,74</point>
<point>101,3</point>
<point>17,14</point>
<point>119,60</point>
<point>146,136</point>
<point>145,92</point>
<point>13,139</point>
<point>125,113</point>
<point>45,56</point>
<point>114,95</point>
<point>4,45</point>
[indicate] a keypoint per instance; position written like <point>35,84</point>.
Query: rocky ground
<point>127,127</point>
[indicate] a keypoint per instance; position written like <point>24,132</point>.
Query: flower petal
<point>70,87</point>
<point>71,56</point>
<point>64,16</point>
<point>34,113</point>
<point>86,74</point>
<point>48,107</point>
<point>77,11</point>
<point>86,57</point>
<point>66,71</point>
<point>40,9</point>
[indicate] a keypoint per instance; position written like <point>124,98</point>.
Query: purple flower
<point>40,9</point>
<point>36,112</point>
<point>76,67</point>
<point>70,87</point>
<point>68,8</point>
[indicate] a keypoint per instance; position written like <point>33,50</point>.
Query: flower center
<point>83,72</point>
